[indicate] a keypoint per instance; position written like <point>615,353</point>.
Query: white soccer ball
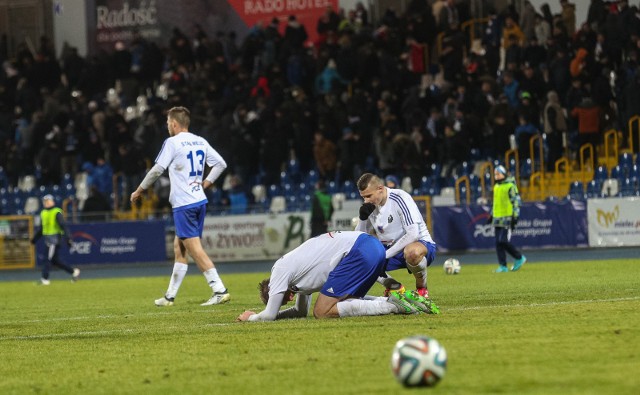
<point>451,266</point>
<point>418,361</point>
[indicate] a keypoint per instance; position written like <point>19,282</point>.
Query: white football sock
<point>179,271</point>
<point>420,272</point>
<point>214,281</point>
<point>360,307</point>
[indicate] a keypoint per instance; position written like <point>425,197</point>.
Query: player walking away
<point>54,229</point>
<point>184,155</point>
<point>342,266</point>
<point>399,225</point>
<point>504,217</point>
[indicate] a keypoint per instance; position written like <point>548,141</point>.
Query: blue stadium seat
<point>332,187</point>
<point>627,188</point>
<point>465,168</point>
<point>576,191</point>
<point>288,190</point>
<point>617,172</point>
<point>625,160</point>
<point>600,174</point>
<point>348,186</point>
<point>285,178</point>
<point>312,177</point>
<point>594,189</point>
<point>274,190</point>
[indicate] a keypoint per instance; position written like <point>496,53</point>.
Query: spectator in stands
<point>310,268</point>
<point>238,196</point>
<point>555,128</point>
<point>569,16</point>
<point>96,207</point>
<point>54,229</point>
<point>504,218</point>
<point>523,133</point>
<point>588,115</point>
<point>325,155</point>
<point>321,209</point>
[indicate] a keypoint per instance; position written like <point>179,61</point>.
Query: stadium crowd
<point>392,96</point>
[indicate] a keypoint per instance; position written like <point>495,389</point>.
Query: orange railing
<point>634,119</point>
<point>583,162</point>
<point>532,143</point>
<point>483,171</point>
<point>507,156</point>
<point>611,149</point>
<point>465,180</point>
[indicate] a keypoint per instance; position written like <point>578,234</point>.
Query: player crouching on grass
<point>398,223</point>
<point>342,266</point>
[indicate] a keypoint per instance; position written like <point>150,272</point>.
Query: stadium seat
<point>292,203</point>
<point>601,174</point>
<point>610,187</point>
<point>627,188</point>
<point>278,205</point>
<point>625,160</point>
<point>27,183</point>
<point>348,186</point>
<point>405,184</point>
<point>337,199</point>
<point>617,172</point>
<point>293,169</point>
<point>312,177</point>
<point>525,169</point>
<point>332,188</point>
<point>576,191</point>
<point>259,192</point>
<point>288,190</point>
<point>465,168</point>
<point>273,191</point>
<point>594,189</point>
<point>285,178</point>
<point>32,205</point>
<point>4,180</point>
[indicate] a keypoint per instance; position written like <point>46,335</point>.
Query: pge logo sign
<point>82,246</point>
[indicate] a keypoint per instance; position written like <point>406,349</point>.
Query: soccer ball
<point>418,361</point>
<point>451,266</point>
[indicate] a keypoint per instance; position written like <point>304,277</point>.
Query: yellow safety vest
<point>502,206</point>
<point>50,225</point>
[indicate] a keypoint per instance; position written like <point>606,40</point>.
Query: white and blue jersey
<point>184,156</point>
<point>392,221</point>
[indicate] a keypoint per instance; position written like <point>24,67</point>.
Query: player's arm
<point>218,165</point>
<point>65,228</point>
<point>410,235</point>
<point>151,177</point>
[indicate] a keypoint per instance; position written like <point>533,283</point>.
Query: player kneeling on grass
<point>343,266</point>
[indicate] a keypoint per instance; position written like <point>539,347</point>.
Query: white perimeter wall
<point>70,25</point>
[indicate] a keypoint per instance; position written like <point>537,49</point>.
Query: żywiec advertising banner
<point>117,242</point>
<point>110,21</point>
<point>614,222</point>
<point>253,237</point>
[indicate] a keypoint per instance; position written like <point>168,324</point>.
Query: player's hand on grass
<point>245,316</point>
<point>365,211</point>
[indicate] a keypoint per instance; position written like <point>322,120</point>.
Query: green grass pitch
<point>551,328</point>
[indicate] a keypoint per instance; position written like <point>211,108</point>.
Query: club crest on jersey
<point>390,219</point>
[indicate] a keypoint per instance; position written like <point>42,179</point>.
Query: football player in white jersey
<point>342,266</point>
<point>398,224</point>
<point>184,155</point>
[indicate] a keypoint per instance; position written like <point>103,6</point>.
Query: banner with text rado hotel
<point>110,21</point>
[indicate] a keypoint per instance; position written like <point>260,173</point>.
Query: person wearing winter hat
<point>504,218</point>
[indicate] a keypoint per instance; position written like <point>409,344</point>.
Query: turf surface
<point>551,328</point>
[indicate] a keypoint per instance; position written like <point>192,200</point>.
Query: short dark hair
<point>263,287</point>
<point>366,179</point>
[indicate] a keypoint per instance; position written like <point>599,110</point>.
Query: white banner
<point>265,236</point>
<point>614,222</point>
<point>253,237</point>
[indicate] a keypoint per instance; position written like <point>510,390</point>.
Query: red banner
<point>307,12</point>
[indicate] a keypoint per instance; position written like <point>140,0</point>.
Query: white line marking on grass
<point>83,318</point>
<point>63,335</point>
<point>500,306</point>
